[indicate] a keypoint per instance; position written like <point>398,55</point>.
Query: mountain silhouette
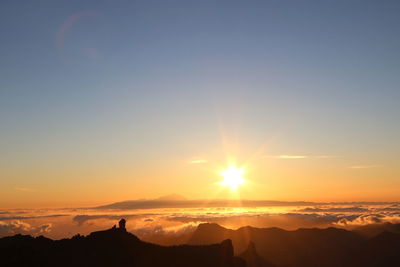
<point>113,247</point>
<point>372,230</point>
<point>177,201</point>
<point>304,247</point>
<point>252,258</point>
<point>210,245</point>
<point>171,197</point>
<point>381,250</point>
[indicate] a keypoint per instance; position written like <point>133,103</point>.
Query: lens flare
<point>232,177</point>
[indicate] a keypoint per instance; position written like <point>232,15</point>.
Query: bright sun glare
<point>232,177</point>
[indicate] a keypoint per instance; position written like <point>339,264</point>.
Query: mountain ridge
<point>179,201</point>
<point>212,245</point>
<point>304,247</point>
<point>112,247</point>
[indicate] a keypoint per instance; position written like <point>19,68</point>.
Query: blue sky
<point>93,82</point>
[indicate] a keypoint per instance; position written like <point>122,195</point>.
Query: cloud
<point>365,219</point>
<point>360,220</point>
<point>364,166</point>
<point>291,157</point>
<point>161,225</point>
<point>180,228</point>
<point>393,208</point>
<point>81,219</point>
<point>7,218</point>
<point>195,203</point>
<point>303,156</point>
<point>325,157</point>
<point>164,234</point>
<point>24,189</point>
<point>198,161</point>
<point>335,209</point>
<point>289,221</point>
<point>19,227</point>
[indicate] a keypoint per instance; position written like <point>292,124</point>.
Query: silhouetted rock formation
<point>111,247</point>
<point>122,224</point>
<point>304,247</point>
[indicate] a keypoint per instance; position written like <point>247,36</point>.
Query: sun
<point>232,177</point>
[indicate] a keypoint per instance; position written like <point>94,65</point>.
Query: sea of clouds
<point>173,225</point>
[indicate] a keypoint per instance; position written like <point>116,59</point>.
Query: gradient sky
<point>103,101</point>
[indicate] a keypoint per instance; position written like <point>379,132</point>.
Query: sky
<point>104,101</point>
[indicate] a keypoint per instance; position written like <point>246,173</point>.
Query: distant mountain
<point>177,201</point>
<point>113,247</point>
<point>171,197</point>
<point>302,247</point>
<point>372,230</point>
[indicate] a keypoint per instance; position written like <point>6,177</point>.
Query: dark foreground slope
<point>304,247</point>
<point>114,247</point>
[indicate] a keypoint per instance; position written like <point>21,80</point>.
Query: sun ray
<point>232,177</point>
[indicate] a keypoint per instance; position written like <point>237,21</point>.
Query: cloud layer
<point>173,225</point>
<point>19,227</point>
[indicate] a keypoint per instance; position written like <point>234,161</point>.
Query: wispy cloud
<point>325,157</point>
<point>335,209</point>
<point>198,161</point>
<point>291,157</point>
<point>24,189</point>
<point>17,217</point>
<point>364,166</point>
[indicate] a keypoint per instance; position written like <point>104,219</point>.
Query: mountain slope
<point>303,247</point>
<point>372,230</point>
<point>113,247</point>
<point>252,258</point>
<point>381,250</point>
